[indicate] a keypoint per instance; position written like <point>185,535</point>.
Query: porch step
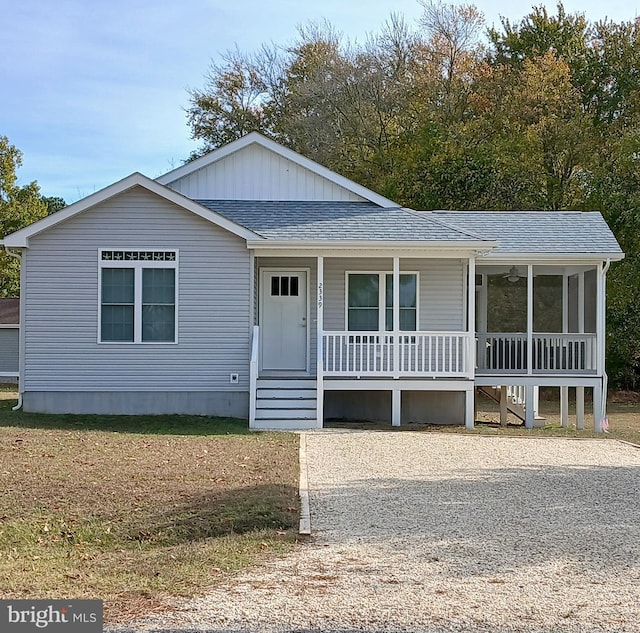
<point>286,403</point>
<point>277,394</point>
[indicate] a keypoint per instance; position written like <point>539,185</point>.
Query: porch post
<point>600,392</point>
<point>529,328</point>
<point>471,318</point>
<point>599,321</point>
<point>580,390</point>
<point>396,399</point>
<point>564,406</point>
<point>528,410</point>
<point>504,411</point>
<point>396,318</point>
<point>469,409</point>
<point>481,324</point>
<point>580,408</point>
<point>564,391</point>
<point>581,303</point>
<point>319,344</point>
<point>597,407</point>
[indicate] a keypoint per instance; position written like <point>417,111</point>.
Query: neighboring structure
<point>9,339</point>
<point>253,282</point>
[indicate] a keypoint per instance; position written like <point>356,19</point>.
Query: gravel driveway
<point>426,532</point>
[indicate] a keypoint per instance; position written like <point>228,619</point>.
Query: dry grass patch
<point>623,411</point>
<point>135,518</point>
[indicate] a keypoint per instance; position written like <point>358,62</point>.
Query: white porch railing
<point>551,353</point>
<point>433,354</point>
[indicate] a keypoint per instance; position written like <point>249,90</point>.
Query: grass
<point>136,510</point>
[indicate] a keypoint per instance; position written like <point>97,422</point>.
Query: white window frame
<point>382,297</point>
<point>138,266</point>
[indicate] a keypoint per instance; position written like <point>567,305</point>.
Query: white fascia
<point>548,258</point>
<point>361,248</point>
<point>20,239</point>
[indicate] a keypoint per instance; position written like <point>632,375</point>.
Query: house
<point>9,337</point>
<point>253,282</point>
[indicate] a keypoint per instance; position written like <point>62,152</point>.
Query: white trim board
<point>261,296</point>
<point>20,239</point>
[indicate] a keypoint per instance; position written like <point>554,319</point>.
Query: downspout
<point>19,258</point>
<point>605,379</point>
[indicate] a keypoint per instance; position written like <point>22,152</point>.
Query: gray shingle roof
<point>544,232</point>
<point>328,221</point>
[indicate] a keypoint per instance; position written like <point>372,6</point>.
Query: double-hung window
<point>367,292</point>
<point>138,296</point>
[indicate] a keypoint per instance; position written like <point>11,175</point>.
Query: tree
<point>19,206</point>
<point>54,203</point>
<point>231,104</point>
<point>543,113</point>
<point>565,35</point>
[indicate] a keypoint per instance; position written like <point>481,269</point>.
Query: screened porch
<point>537,319</point>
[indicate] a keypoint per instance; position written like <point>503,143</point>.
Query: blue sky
<point>94,90</point>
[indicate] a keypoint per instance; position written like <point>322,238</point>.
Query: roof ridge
<point>453,228</point>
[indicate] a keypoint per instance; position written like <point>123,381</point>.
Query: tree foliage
<point>543,113</point>
<point>19,206</point>
<point>54,203</point>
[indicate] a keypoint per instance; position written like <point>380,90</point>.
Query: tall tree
<point>542,113</point>
<point>19,206</point>
<point>566,35</point>
<point>231,103</point>
<point>54,203</point>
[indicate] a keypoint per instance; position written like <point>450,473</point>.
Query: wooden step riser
<point>285,414</point>
<point>285,425</point>
<point>277,403</point>
<point>278,383</point>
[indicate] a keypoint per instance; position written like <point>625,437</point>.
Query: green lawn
<point>135,510</point>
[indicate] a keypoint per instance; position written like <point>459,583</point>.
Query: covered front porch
<point>363,321</point>
<point>406,321</point>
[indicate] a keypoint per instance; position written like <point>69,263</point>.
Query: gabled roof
<point>9,311</point>
<point>254,138</point>
<point>340,221</point>
<point>539,232</point>
<point>21,238</point>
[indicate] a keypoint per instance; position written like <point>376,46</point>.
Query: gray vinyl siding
<point>299,262</point>
<point>9,349</point>
<point>61,307</point>
<point>257,173</point>
<point>441,290</point>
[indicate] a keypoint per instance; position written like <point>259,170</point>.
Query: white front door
<point>283,320</point>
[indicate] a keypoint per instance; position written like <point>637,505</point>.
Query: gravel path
<point>434,533</point>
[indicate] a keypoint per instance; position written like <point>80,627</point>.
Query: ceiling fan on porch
<point>513,275</point>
